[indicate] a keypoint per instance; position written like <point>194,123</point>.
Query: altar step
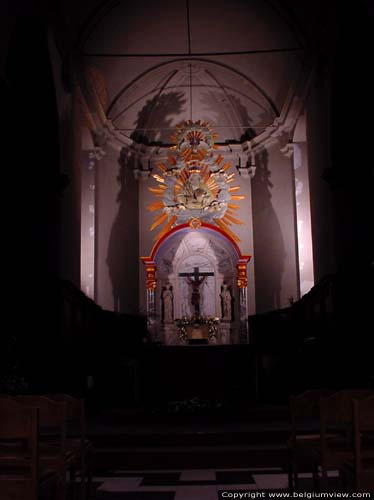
<point>257,436</point>
<point>189,457</point>
<point>197,442</point>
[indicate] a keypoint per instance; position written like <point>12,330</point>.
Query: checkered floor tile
<point>196,484</point>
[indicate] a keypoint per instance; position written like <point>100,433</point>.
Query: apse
<point>213,258</point>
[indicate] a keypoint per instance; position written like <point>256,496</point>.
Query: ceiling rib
<point>168,79</point>
<point>194,54</point>
<point>214,63</point>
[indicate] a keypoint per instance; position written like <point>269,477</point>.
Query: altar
<point>196,272</point>
<point>197,289</point>
<point>222,373</point>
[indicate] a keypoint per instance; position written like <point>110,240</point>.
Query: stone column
<point>303,216</point>
<point>89,160</point>
<point>303,230</point>
<point>151,284</point>
<point>242,283</point>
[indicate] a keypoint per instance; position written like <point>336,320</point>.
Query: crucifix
<point>193,279</point>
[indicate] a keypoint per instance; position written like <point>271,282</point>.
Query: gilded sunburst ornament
<point>194,184</point>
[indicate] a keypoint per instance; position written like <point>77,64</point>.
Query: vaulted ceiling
<point>229,63</point>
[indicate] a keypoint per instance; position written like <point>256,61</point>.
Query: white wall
<point>117,235</point>
<point>274,230</point>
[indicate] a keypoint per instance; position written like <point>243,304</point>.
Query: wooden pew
<point>21,473</point>
<point>305,431</point>
<point>76,440</point>
<point>336,418</point>
<point>358,474</point>
<point>53,451</point>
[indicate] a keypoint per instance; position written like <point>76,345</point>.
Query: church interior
<point>191,221</point>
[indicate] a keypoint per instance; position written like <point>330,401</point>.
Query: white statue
<point>226,302</point>
<point>167,304</point>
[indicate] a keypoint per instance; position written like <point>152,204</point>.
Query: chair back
<point>51,413</point>
<point>74,406</point>
<point>18,450</point>
<point>17,422</point>
<point>336,410</point>
<point>336,418</point>
<point>305,409</point>
<point>52,421</point>
<point>363,428</point>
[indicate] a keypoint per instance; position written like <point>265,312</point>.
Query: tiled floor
<point>196,484</point>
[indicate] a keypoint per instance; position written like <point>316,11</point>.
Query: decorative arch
<point>186,227</point>
<point>240,278</point>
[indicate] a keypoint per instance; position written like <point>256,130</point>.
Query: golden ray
<point>166,228</point>
<point>159,220</point>
<point>237,197</point>
<point>211,182</point>
<point>157,190</point>
<point>204,170</point>
<point>158,178</point>
<point>205,174</point>
<point>177,188</point>
<point>226,221</point>
<point>156,205</point>
<point>223,226</point>
<point>184,176</point>
<point>172,160</point>
<point>162,167</point>
<point>219,159</point>
<point>226,166</point>
<point>233,219</point>
<point>186,155</point>
<point>233,206</point>
<point>234,188</point>
<point>230,180</point>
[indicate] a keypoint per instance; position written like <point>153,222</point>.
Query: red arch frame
<point>204,225</point>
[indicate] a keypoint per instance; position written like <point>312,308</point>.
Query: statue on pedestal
<point>226,301</point>
<point>167,304</point>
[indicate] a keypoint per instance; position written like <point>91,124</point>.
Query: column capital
<point>96,153</point>
<point>141,174</point>
<point>241,272</point>
<point>247,172</point>
<point>150,269</point>
<point>288,150</point>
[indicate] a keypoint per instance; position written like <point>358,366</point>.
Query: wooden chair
<point>358,474</point>
<point>21,475</point>
<point>335,418</point>
<point>76,441</point>
<point>305,433</point>
<point>53,452</point>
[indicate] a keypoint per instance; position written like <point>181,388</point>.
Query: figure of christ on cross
<point>193,279</point>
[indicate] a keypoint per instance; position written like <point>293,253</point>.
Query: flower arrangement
<point>195,405</point>
<point>197,320</point>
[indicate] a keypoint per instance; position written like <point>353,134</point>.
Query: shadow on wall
<point>268,241</point>
<point>153,124</point>
<point>228,110</point>
<point>123,248</point>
